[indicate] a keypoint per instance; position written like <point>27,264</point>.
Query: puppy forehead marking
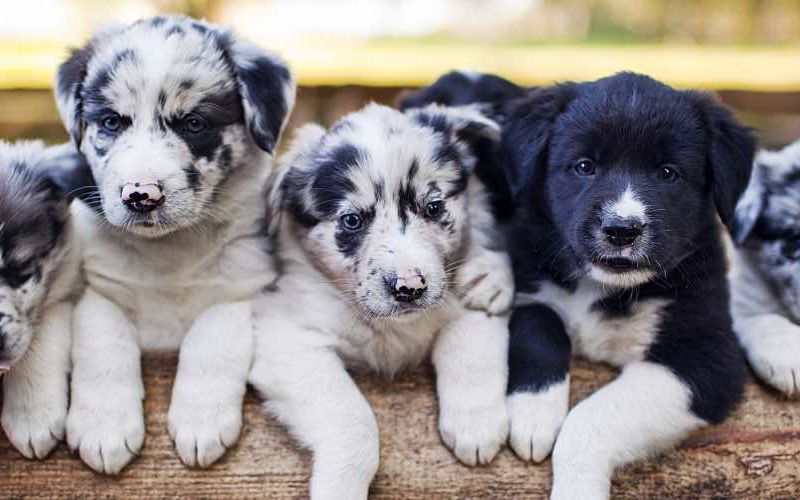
<point>627,206</point>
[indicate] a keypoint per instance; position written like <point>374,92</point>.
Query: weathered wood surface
<point>755,454</point>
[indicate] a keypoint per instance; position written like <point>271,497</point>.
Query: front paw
<point>775,357</point>
<point>203,432</point>
<point>107,433</point>
<point>487,283</point>
<point>474,433</point>
<point>535,420</point>
<point>33,424</point>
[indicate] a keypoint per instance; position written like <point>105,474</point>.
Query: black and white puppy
<point>178,120</point>
<point>765,275</point>
<point>383,226</point>
<point>618,256</point>
<point>39,281</point>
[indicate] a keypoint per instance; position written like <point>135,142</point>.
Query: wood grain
<point>755,454</point>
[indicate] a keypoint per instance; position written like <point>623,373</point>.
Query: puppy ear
<point>266,87</point>
<point>68,86</point>
<point>527,132</point>
<point>749,207</point>
<point>731,148</point>
<point>458,88</point>
<point>66,172</point>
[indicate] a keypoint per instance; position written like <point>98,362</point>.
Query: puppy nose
<point>622,232</point>
<point>143,195</point>
<point>406,288</point>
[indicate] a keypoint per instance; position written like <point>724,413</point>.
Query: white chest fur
<point>618,340</point>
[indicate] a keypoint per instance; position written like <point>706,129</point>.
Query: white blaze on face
<point>628,206</point>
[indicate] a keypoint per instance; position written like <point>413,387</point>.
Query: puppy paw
<point>32,423</point>
<point>202,432</point>
<point>106,436</point>
<point>775,357</point>
<point>535,419</point>
<point>474,434</point>
<point>487,283</point>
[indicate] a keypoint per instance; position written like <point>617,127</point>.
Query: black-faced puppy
<point>617,252</point>
<point>178,120</point>
<point>39,279</point>
<point>765,274</point>
<point>380,216</point>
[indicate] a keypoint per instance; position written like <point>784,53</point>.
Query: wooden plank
<point>755,454</point>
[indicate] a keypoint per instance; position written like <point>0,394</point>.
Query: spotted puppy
<point>380,213</point>
<point>178,119</point>
<point>618,256</point>
<point>39,281</point>
<point>765,280</point>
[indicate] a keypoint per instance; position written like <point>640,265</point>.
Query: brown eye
<point>668,173</point>
<point>434,209</point>
<point>194,124</point>
<point>351,222</point>
<point>585,167</point>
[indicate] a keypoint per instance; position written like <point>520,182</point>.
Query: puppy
<point>39,281</point>
<point>617,252</point>
<point>380,217</point>
<point>178,120</point>
<point>765,275</point>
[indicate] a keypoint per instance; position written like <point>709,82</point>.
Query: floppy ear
<point>749,207</point>
<point>266,87</point>
<point>67,172</point>
<point>731,148</point>
<point>68,87</point>
<point>527,132</point>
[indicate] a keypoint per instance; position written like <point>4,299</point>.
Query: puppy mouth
<point>618,265</point>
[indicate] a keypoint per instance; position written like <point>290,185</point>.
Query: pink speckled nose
<point>406,287</point>
<point>142,195</point>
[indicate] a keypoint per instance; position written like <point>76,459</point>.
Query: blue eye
<point>194,124</point>
<point>351,222</point>
<point>111,123</point>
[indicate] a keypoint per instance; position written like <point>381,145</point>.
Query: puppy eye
<point>585,167</point>
<point>194,124</point>
<point>111,123</point>
<point>668,173</point>
<point>434,209</point>
<point>351,222</point>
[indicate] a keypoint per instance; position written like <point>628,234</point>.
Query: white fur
<point>536,419</point>
<point>628,206</point>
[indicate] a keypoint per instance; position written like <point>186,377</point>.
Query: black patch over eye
<point>194,124</point>
<point>584,167</point>
<point>111,123</point>
<point>17,275</point>
<point>352,222</point>
<point>668,173</point>
<point>434,209</point>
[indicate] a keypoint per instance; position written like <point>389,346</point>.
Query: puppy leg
<point>772,345</point>
<point>470,356</point>
<point>35,392</point>
<point>645,410</point>
<point>308,390</point>
<point>205,416</point>
<point>487,281</point>
<point>105,423</point>
<point>538,384</point>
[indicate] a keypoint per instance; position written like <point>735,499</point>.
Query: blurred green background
<point>348,52</point>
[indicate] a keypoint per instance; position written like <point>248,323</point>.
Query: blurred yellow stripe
<point>415,63</point>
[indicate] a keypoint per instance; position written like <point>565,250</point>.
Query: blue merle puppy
<point>39,280</point>
<point>618,187</point>
<point>389,255</point>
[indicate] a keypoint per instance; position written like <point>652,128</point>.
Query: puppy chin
<point>620,279</point>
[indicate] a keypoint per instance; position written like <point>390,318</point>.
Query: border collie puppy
<point>39,281</point>
<point>765,275</point>
<point>381,225</point>
<point>178,120</point>
<point>618,256</point>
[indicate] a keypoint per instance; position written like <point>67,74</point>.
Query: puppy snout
<point>622,232</point>
<point>407,287</point>
<point>143,195</point>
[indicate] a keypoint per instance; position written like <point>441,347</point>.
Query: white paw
<point>775,357</point>
<point>487,283</point>
<point>536,419</point>
<point>32,423</point>
<point>203,432</point>
<point>106,434</point>
<point>474,434</point>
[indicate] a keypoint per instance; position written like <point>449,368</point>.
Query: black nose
<point>622,232</point>
<point>406,290</point>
